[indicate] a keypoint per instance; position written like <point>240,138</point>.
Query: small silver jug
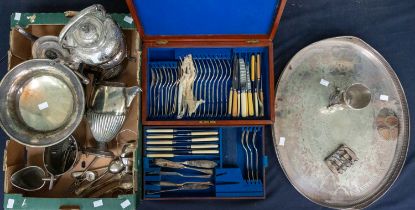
<point>109,105</point>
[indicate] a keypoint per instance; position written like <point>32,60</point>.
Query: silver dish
<point>43,102</point>
<point>45,47</point>
<point>341,158</point>
<point>48,47</point>
<point>30,178</point>
<point>93,38</point>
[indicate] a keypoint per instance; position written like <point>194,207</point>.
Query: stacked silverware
<point>246,98</point>
<point>178,157</point>
<point>249,139</point>
<point>210,85</point>
<point>163,89</point>
<point>168,143</point>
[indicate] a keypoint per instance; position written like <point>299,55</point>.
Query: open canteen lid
<point>213,18</point>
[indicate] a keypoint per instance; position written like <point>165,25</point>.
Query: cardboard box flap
<point>214,17</point>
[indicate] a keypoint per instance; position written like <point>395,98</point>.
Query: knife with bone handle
<point>233,95</point>
<point>172,136</point>
<point>259,85</point>
<point>182,153</point>
<point>178,148</point>
<point>189,132</point>
<point>243,81</point>
<point>254,81</point>
<point>249,92</point>
<point>170,142</point>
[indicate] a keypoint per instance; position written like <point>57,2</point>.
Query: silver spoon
<point>115,167</point>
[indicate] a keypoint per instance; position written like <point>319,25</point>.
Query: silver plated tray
<point>43,102</point>
<point>341,145</point>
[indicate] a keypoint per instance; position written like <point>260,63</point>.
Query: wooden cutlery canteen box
<point>207,74</point>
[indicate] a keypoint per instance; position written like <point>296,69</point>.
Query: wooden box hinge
<point>162,42</point>
<point>252,41</point>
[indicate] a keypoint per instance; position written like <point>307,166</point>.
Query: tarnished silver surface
<point>45,47</point>
<point>29,178</point>
<point>104,127</point>
<point>60,158</point>
<point>43,102</point>
<point>48,47</point>
<point>306,130</point>
<point>93,38</point>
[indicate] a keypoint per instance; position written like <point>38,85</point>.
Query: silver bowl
<point>42,102</point>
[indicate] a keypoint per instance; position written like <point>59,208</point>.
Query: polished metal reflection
<point>43,102</point>
<point>107,113</point>
<point>93,38</point>
<point>356,96</point>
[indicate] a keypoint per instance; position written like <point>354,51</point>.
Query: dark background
<point>387,25</point>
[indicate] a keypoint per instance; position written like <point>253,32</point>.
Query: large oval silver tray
<point>308,132</point>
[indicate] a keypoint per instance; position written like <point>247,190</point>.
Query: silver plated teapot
<point>93,38</point>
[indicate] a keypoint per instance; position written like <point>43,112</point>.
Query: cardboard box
<point>17,156</point>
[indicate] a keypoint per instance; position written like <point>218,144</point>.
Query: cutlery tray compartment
<point>236,166</point>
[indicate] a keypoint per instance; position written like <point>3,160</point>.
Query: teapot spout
<point>131,92</point>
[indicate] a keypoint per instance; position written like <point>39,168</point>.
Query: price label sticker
<point>282,141</point>
<point>98,203</point>
<point>17,16</point>
<point>125,204</point>
<point>384,98</point>
<point>128,19</point>
<point>10,203</point>
<point>43,106</point>
<point>324,82</point>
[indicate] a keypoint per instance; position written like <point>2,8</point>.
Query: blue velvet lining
<point>167,59</point>
<point>190,17</point>
<point>230,176</point>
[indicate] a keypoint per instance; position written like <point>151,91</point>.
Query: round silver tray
<point>308,130</point>
<point>42,102</point>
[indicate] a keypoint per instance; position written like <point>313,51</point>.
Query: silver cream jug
<point>108,110</point>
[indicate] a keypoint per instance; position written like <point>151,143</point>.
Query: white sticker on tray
<point>384,98</point>
<point>17,16</point>
<point>98,203</point>
<point>10,203</point>
<point>324,82</point>
<point>282,141</point>
<point>128,19</point>
<point>125,204</point>
<point>43,106</point>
